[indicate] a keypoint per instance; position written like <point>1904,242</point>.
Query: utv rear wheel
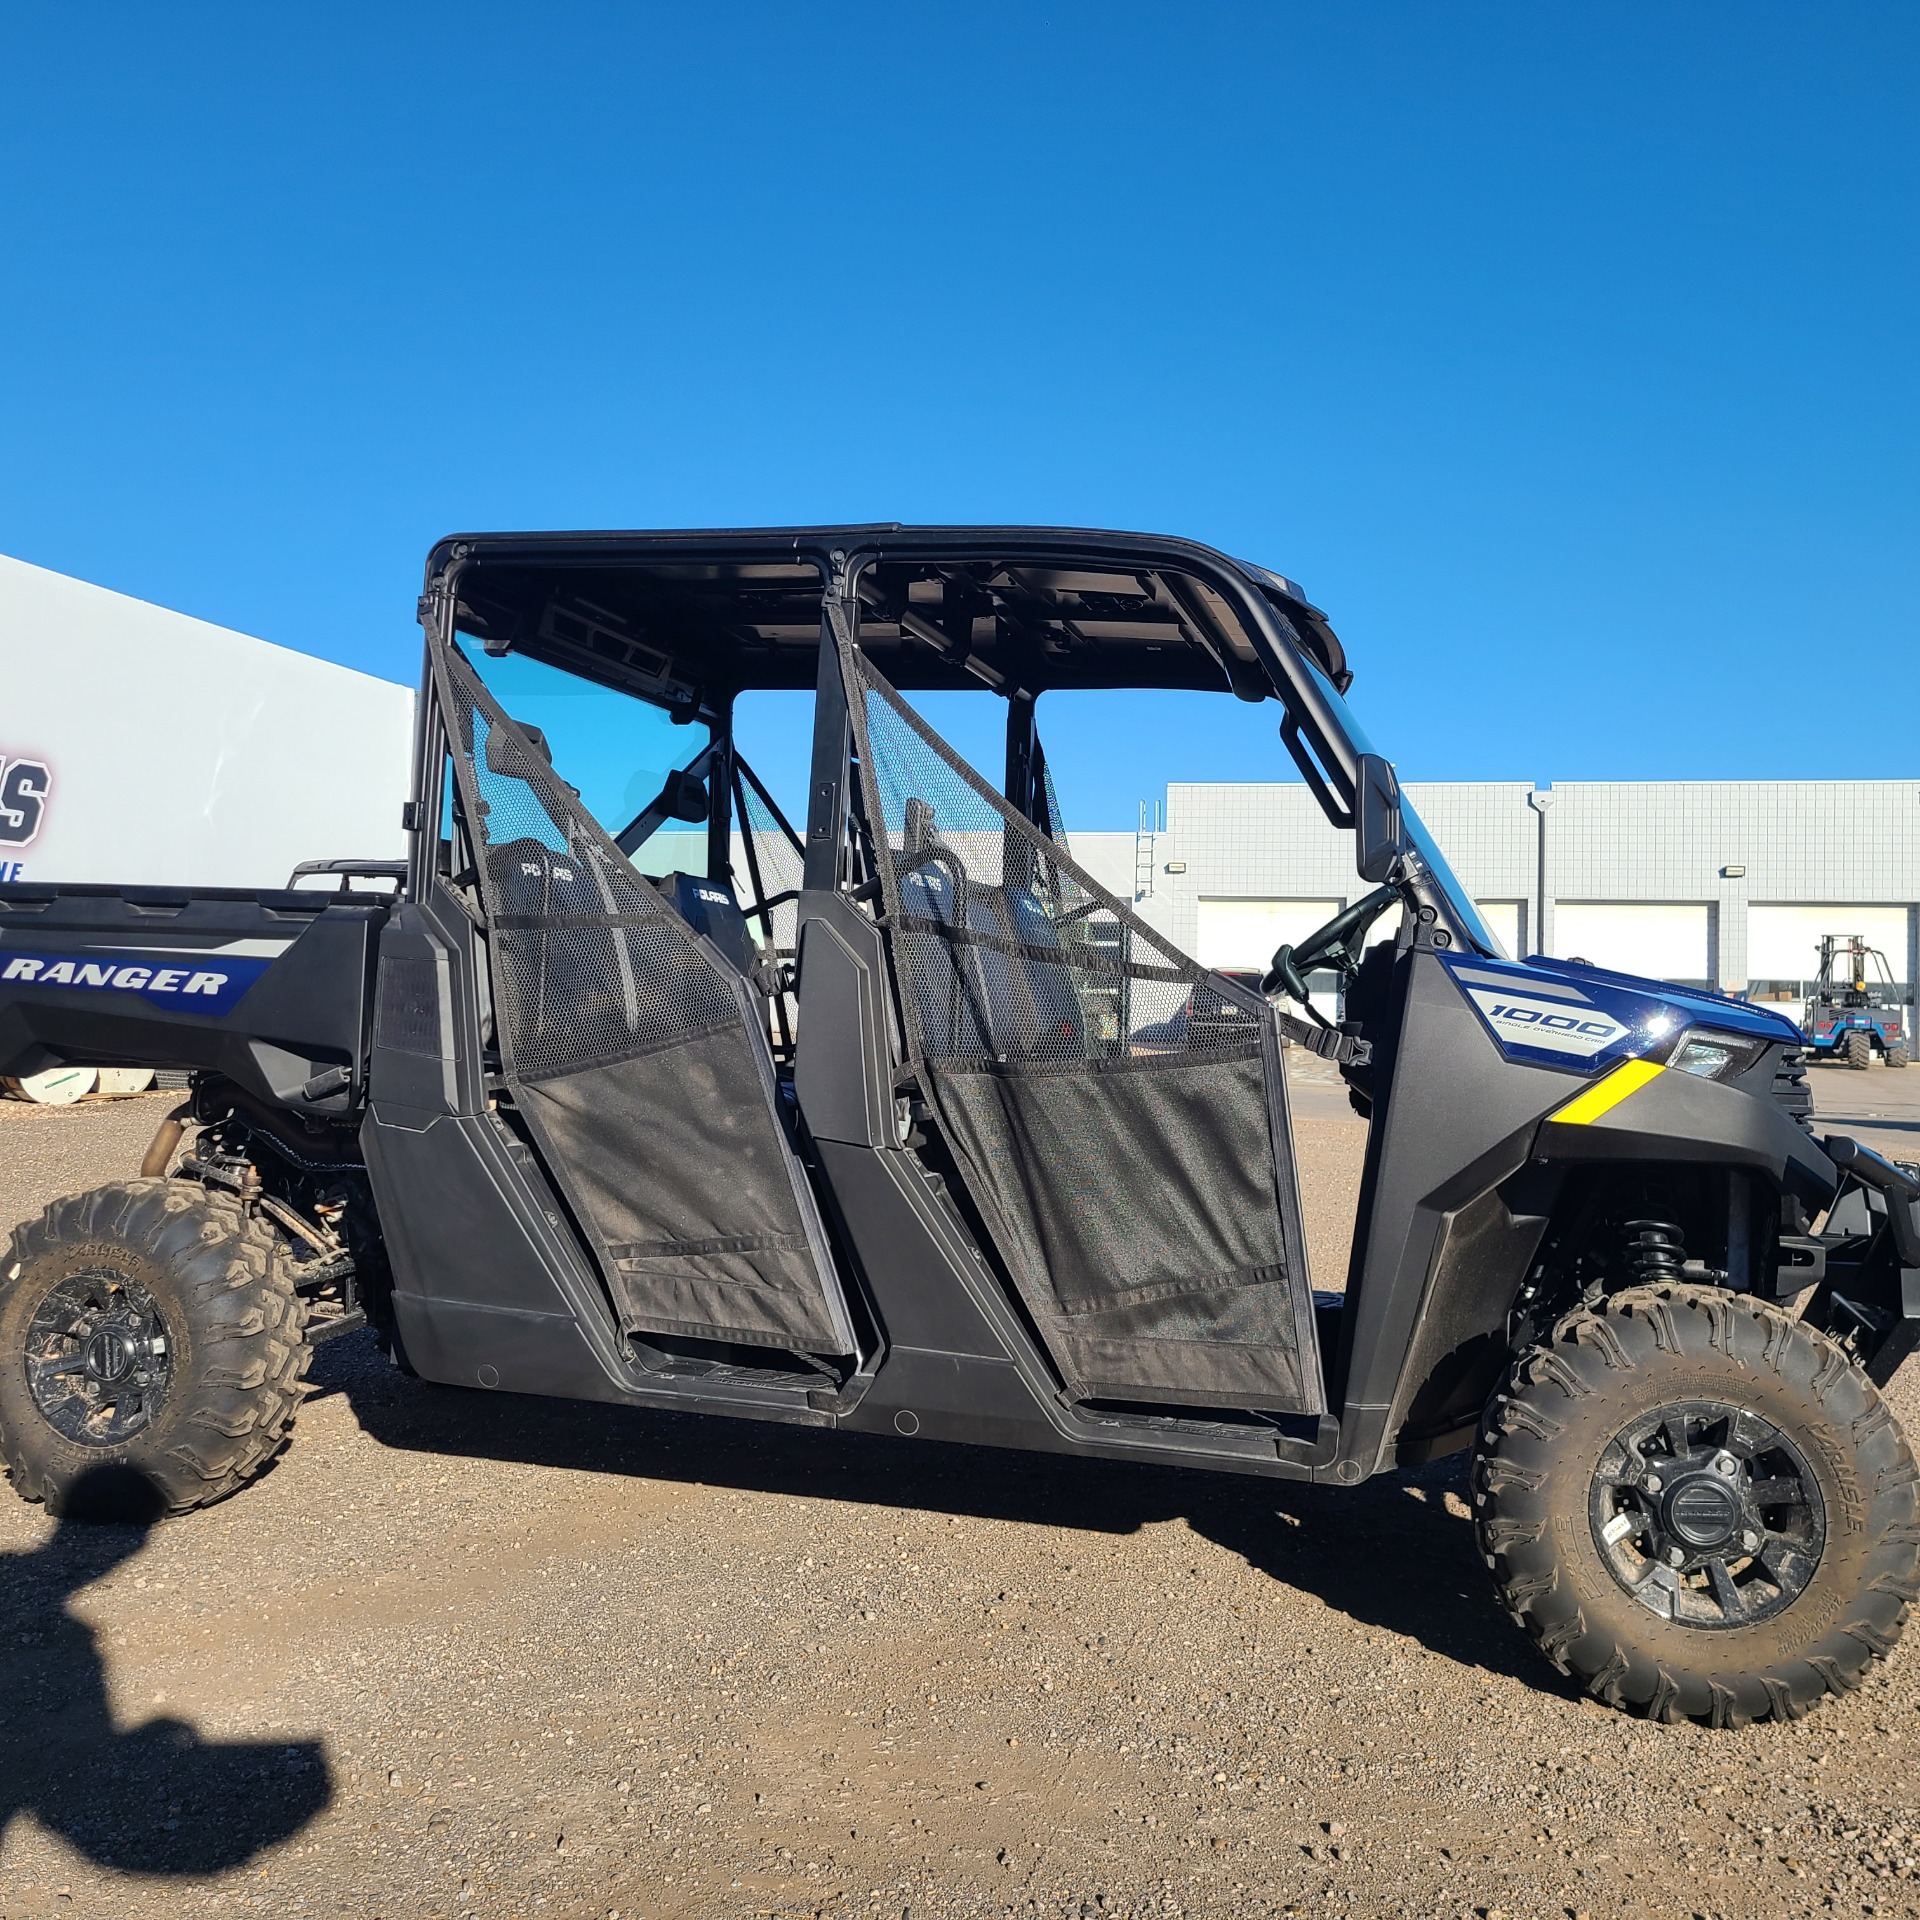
<point>1859,1052</point>
<point>1699,1508</point>
<point>150,1339</point>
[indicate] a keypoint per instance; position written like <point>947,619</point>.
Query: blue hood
<point>1581,1019</point>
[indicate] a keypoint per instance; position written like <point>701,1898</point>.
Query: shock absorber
<point>1655,1251</point>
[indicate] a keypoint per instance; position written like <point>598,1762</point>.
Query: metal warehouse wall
<point>1270,841</point>
<point>1718,847</point>
<point>1732,844</point>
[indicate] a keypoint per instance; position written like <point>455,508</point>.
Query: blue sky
<point>1565,354</point>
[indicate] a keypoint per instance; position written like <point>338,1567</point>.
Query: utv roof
<point>716,610</point>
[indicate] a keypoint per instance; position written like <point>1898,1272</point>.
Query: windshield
<point>615,750</point>
<point>1428,848</point>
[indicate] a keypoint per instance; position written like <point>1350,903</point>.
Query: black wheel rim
<point>99,1359</point>
<point>1708,1515</point>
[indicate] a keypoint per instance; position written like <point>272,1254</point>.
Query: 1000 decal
<point>1581,1031</point>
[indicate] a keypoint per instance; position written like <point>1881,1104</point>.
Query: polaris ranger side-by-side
<point>625,1089</point>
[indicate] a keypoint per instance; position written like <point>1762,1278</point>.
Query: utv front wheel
<point>149,1329</point>
<point>1699,1508</point>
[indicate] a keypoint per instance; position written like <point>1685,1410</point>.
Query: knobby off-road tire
<point>1547,1466</point>
<point>1859,1052</point>
<point>1897,1056</point>
<point>151,1343</point>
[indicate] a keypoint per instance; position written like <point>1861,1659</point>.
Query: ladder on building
<point>1153,823</point>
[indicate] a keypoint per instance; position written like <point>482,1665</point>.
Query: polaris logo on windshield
<point>1553,1026</point>
<point>214,988</point>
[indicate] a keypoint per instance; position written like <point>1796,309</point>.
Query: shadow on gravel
<point>153,1798</point>
<point>1867,1122</point>
<point>1387,1553</point>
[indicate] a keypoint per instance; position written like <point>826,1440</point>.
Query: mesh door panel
<point>633,1059</point>
<point>776,866</point>
<point>1117,1109</point>
<point>768,862</point>
<point>592,963</point>
<point>1010,953</point>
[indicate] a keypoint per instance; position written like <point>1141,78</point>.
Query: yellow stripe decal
<point>1604,1095</point>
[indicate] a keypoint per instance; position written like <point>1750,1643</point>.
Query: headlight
<point>1714,1056</point>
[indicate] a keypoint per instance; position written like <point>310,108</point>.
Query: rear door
<point>635,1054</point>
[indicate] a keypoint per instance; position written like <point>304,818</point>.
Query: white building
<point>1722,883</point>
<point>143,747</point>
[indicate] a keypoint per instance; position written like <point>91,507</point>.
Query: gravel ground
<point>463,1654</point>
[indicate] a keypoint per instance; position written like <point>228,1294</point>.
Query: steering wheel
<point>1338,944</point>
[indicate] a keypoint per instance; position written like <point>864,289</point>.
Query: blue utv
<point>891,1117</point>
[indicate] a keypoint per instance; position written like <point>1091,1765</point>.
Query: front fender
<point>1642,1111</point>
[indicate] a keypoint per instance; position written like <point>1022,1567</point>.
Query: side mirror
<point>685,796</point>
<point>1379,838</point>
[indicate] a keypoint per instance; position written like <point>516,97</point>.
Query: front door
<point>1117,1114</point>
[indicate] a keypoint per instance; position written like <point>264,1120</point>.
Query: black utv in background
<point>893,1119</point>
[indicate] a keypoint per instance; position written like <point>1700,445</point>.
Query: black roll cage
<point>1207,601</point>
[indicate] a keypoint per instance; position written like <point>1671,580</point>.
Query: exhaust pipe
<point>160,1154</point>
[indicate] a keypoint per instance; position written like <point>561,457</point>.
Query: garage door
<point>1663,942</point>
<point>1243,933</point>
<point>1783,943</point>
<point>1783,948</point>
<point>1505,920</point>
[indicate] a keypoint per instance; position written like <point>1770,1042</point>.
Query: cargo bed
<point>268,987</point>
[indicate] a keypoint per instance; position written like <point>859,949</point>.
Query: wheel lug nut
<point>1750,1541</point>
<point>1675,1558</point>
<point>1725,1465</point>
<point>1652,1483</point>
